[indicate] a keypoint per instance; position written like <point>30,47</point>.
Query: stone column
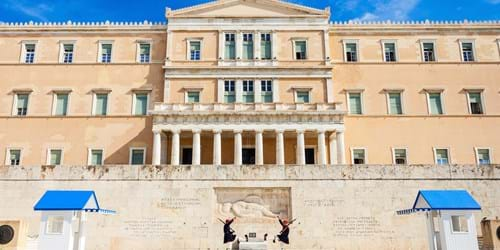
<point>217,147</point>
<point>300,153</point>
<point>259,148</point>
<point>340,147</point>
<point>175,147</point>
<point>156,147</point>
<point>333,148</point>
<point>237,148</point>
<point>280,147</point>
<point>196,147</point>
<point>321,147</point>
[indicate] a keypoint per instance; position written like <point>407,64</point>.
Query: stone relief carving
<point>252,203</point>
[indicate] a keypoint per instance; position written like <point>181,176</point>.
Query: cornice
<point>70,26</point>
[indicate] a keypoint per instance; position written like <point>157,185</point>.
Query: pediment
<point>247,8</point>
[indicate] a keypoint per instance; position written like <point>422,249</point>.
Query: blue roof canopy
<point>70,200</point>
<point>428,200</point>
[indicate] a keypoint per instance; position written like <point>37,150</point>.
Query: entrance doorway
<point>248,156</point>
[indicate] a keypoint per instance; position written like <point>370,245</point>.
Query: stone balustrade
<point>161,108</point>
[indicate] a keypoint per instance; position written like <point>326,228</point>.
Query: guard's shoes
<point>246,237</point>
<point>265,237</point>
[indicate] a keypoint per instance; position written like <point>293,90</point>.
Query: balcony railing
<point>259,107</point>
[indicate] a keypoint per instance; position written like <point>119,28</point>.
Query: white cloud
<point>391,10</point>
<point>37,11</point>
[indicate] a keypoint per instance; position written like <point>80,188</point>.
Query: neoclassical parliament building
<point>252,85</point>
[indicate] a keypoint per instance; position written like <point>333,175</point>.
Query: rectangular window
<point>55,225</point>
<point>302,96</point>
<point>96,157</point>
<point>193,96</point>
<point>229,91</point>
<point>62,100</point>
<point>229,47</point>
<point>101,104</point>
<point>266,90</point>
<point>468,51</point>
<point>358,156</point>
<point>68,53</point>
<point>137,156</point>
<point>310,154</point>
<point>247,46</point>
<point>435,104</point>
<point>29,52</point>
<point>141,103</point>
<point>400,156</point>
<point>248,156</point>
<point>22,104</point>
<point>300,50</point>
<point>187,156</point>
<point>483,156</point>
<point>194,50</point>
<point>395,106</point>
<point>106,52</point>
<point>429,54</point>
<point>475,103</point>
<point>442,156</point>
<point>355,104</point>
<point>351,52</point>
<point>248,92</point>
<point>14,157</point>
<point>265,47</point>
<point>390,52</point>
<point>144,53</point>
<point>55,157</point>
<point>459,224</point>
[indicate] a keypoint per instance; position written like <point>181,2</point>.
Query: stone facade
<point>165,207</point>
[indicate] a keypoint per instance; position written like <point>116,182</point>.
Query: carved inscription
<point>358,226</point>
<point>150,228</point>
<point>323,203</point>
<point>179,203</point>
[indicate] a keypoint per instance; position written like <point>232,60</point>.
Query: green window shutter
<point>300,46</point>
<point>106,48</point>
<point>265,51</point>
<point>229,51</point>
<point>137,156</point>
<point>302,96</point>
<point>483,156</point>
<point>390,47</point>
<point>435,104</point>
<point>267,97</point>
<point>22,101</point>
<point>62,104</point>
<point>395,104</point>
<point>193,97</point>
<point>68,47</point>
<point>475,97</point>
<point>355,103</point>
<point>145,49</point>
<point>141,104</point>
<point>350,47</point>
<point>55,157</point>
<point>442,156</point>
<point>248,50</point>
<point>96,157</point>
<point>101,104</point>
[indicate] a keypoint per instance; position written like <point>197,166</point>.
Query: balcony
<point>325,108</point>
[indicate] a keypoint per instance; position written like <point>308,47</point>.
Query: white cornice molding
<point>248,73</point>
<point>82,26</point>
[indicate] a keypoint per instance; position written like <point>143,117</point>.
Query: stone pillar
<point>196,147</point>
<point>333,148</point>
<point>237,148</point>
<point>321,147</point>
<point>217,147</point>
<point>175,147</point>
<point>280,148</point>
<point>259,148</point>
<point>156,147</point>
<point>340,147</point>
<point>301,152</point>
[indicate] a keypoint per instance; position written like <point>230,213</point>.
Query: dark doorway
<point>248,156</point>
<point>310,156</point>
<point>187,156</point>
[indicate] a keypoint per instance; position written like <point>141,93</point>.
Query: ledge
<point>245,173</point>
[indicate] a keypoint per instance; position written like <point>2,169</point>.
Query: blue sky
<point>153,10</point>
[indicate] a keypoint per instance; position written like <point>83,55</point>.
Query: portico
<point>302,132</point>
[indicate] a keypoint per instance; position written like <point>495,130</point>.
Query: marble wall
<point>336,207</point>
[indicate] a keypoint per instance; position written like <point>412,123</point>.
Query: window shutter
<point>435,103</point>
<point>395,103</point>
<point>355,103</point>
<point>62,104</point>
<point>101,104</point>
